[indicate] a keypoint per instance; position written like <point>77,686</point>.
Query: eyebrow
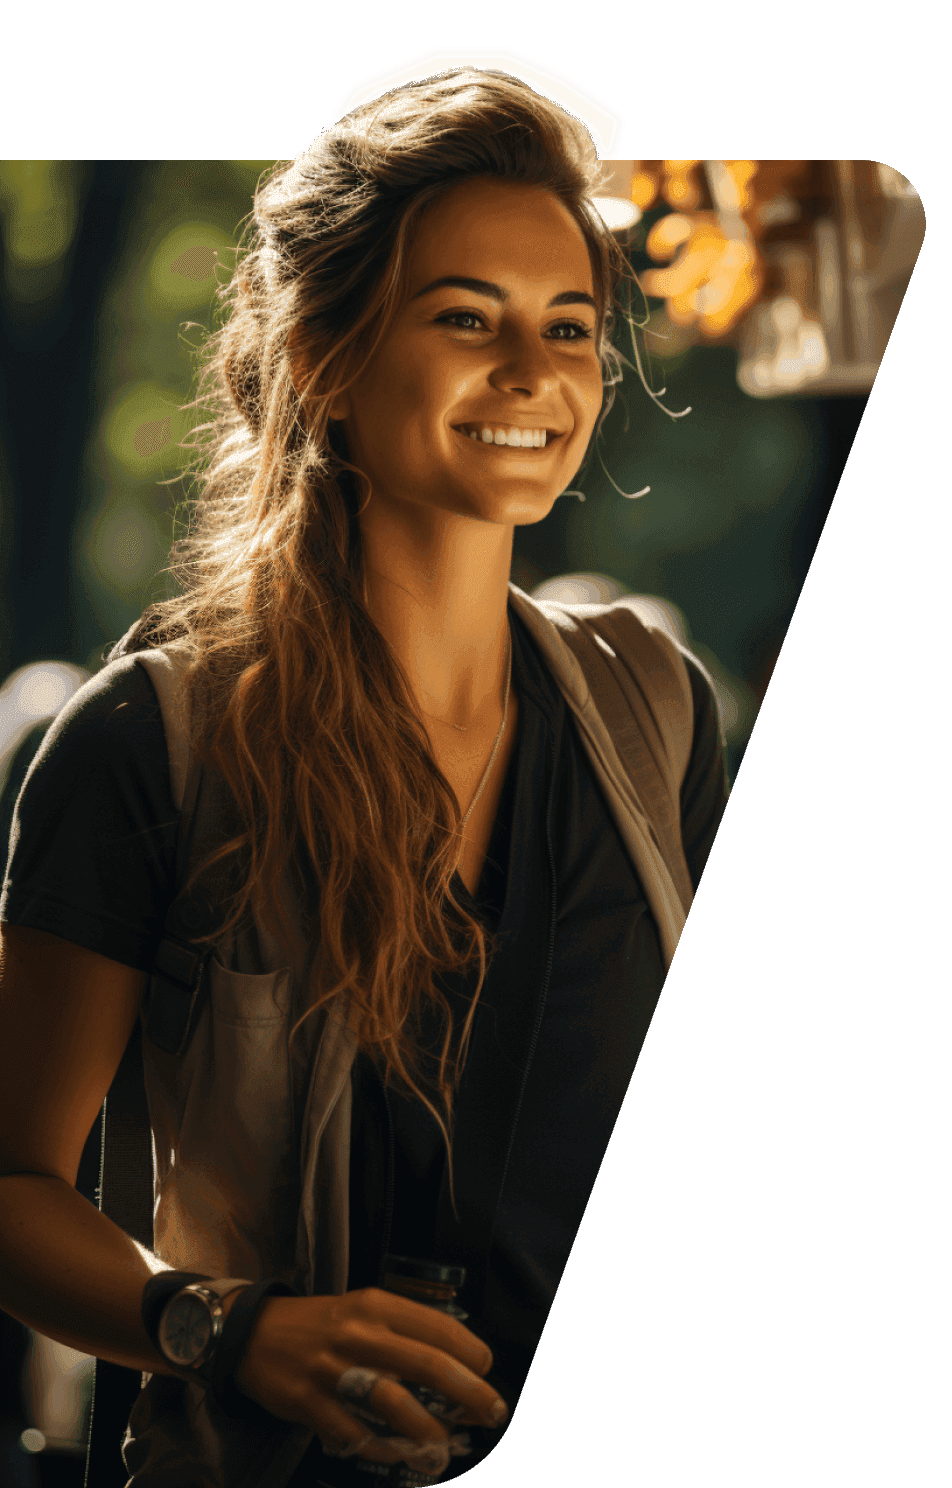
<point>496,291</point>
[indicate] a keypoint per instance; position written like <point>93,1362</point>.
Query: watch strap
<point>225,1360</point>
<point>223,1285</point>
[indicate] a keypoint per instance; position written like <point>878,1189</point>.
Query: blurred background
<point>771,289</point>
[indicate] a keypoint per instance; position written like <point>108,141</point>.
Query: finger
<point>428,1449</point>
<point>418,1363</point>
<point>413,1320</point>
<point>432,1458</point>
<point>341,1433</point>
<point>408,1416</point>
<point>368,1448</point>
<point>383,1401</point>
<point>427,1457</point>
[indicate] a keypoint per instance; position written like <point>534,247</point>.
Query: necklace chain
<point>495,751</point>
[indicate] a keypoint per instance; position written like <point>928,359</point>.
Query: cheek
<point>383,415</point>
<point>409,399</point>
<point>591,391</point>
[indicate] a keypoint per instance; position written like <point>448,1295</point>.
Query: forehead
<point>502,231</point>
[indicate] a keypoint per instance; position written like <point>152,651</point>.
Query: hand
<point>300,1346</point>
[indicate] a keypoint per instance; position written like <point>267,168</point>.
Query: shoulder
<point>119,696</point>
<point>92,843</point>
<point>644,627</point>
<point>168,669</point>
<point>639,640</point>
<point>634,630</point>
<point>111,728</point>
<point>649,633</point>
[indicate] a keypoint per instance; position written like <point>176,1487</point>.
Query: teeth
<point>511,436</point>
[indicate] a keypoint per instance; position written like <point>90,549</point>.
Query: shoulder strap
<point>646,661</point>
<point>173,996</point>
<point>170,1007</point>
<point>126,1153</point>
<point>634,672</point>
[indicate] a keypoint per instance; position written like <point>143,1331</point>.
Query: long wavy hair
<point>298,702</point>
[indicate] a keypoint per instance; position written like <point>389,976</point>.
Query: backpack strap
<point>171,1004</point>
<point>618,660</point>
<point>640,685</point>
<point>176,987</point>
<point>173,994</point>
<point>126,1152</point>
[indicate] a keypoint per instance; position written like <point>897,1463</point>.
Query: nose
<point>525,363</point>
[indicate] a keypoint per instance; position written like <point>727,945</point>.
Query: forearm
<point>68,1272</point>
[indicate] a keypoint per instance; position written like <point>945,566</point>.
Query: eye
<point>457,315</point>
<point>582,332</point>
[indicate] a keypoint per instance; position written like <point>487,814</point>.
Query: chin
<point>518,508</point>
<point>526,512</point>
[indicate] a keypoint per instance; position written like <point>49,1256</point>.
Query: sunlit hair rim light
<point>604,124</point>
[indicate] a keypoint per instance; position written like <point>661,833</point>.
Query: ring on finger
<point>357,1383</point>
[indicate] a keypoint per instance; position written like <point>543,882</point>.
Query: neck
<point>437,587</point>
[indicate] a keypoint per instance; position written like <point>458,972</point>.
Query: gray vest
<point>251,1138</point>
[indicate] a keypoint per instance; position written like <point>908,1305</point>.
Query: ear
<point>340,407</point>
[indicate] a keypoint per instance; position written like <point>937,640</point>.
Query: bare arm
<point>68,1272</point>
<point>65,1269</point>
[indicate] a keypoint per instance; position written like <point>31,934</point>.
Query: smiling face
<point>493,350</point>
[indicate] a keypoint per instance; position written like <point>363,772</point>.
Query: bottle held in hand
<point>433,1285</point>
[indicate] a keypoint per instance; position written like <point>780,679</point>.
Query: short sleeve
<point>705,788</point>
<point>92,844</point>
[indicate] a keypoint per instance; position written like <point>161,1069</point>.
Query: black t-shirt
<point>559,1024</point>
<point>92,846</point>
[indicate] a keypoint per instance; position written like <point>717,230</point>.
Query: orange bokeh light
<point>713,278</point>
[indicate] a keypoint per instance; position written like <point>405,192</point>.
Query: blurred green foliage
<point>160,302</point>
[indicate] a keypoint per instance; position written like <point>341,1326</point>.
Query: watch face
<point>186,1329</point>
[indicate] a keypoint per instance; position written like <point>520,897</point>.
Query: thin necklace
<point>505,713</point>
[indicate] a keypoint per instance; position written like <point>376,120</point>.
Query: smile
<point>507,436</point>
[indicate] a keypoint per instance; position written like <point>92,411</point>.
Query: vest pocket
<point>243,999</point>
<point>226,1160</point>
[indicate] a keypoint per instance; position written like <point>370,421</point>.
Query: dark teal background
<point>759,1292</point>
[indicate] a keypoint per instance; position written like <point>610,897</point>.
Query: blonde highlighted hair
<point>299,703</point>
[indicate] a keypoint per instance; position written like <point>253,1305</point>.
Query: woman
<point>455,833</point>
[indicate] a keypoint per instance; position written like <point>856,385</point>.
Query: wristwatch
<point>191,1323</point>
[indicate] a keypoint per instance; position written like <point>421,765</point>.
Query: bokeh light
<point>184,269</point>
